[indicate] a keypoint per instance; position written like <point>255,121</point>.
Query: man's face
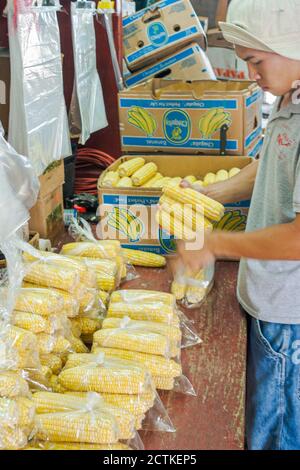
<point>272,72</point>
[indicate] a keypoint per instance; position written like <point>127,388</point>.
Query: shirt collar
<point>285,112</point>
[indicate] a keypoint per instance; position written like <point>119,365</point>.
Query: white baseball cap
<point>266,25</point>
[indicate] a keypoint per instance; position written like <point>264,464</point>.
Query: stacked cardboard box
<point>47,216</point>
<point>166,40</point>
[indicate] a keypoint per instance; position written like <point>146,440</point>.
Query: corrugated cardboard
<point>215,38</point>
<point>190,61</point>
<point>52,177</point>
<point>46,217</point>
<point>173,111</point>
<point>142,202</point>
<point>157,31</point>
<point>4,89</point>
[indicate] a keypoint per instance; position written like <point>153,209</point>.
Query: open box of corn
<point>130,189</point>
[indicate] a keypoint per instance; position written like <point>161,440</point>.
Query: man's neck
<point>285,101</point>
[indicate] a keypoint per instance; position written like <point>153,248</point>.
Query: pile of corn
<point>149,334</point>
<point>137,173</point>
<point>17,411</point>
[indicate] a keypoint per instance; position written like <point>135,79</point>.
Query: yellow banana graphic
<point>213,121</point>
<point>142,119</point>
<point>126,222</point>
<point>206,120</point>
<point>233,221</point>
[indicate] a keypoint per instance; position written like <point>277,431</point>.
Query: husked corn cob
<point>36,379</point>
<point>52,275</point>
<point>142,258</point>
<point>19,412</point>
<point>124,182</point>
<point>86,298</point>
<point>156,365</point>
<point>35,323</point>
<point>106,272</point>
<point>222,175</point>
<point>90,427</point>
<point>55,385</point>
<point>138,405</point>
<point>77,345</point>
<point>163,383</point>
<point>26,414</point>
<point>213,210</point>
<point>175,181</point>
<point>114,375</point>
<point>171,332</point>
<point>47,402</point>
<point>55,344</point>
<point>102,249</point>
<point>209,178</point>
<point>178,289</point>
<point>12,438</point>
<point>133,340</point>
<point>162,182</point>
<point>152,181</point>
<point>144,174</point>
<point>195,294</point>
<point>185,214</point>
<point>158,311</point>
<point>39,301</point>
<point>20,347</point>
<point>52,361</point>
<point>174,226</point>
<point>73,446</point>
<point>103,296</point>
<point>110,180</point>
<point>89,325</point>
<point>68,303</point>
<point>142,296</point>
<point>233,172</point>
<point>131,166</point>
<point>13,385</point>
<point>190,179</point>
<point>86,275</point>
<point>71,304</point>
<point>75,327</point>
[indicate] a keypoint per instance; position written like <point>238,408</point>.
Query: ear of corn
<point>12,385</point>
<point>133,340</point>
<point>52,275</point>
<point>209,178</point>
<point>110,179</point>
<point>131,166</point>
<point>102,249</point>
<point>163,383</point>
<point>190,179</point>
<point>124,182</point>
<point>55,385</point>
<point>213,210</point>
<point>142,258</point>
<point>52,361</point>
<point>156,365</point>
<point>158,311</point>
<point>142,296</point>
<point>233,172</point>
<point>178,289</point>
<point>162,182</point>
<point>144,174</point>
<point>222,175</point>
<point>88,326</point>
<point>39,301</point>
<point>114,375</point>
<point>73,446</point>
<point>185,214</point>
<point>174,226</point>
<point>19,348</point>
<point>150,183</point>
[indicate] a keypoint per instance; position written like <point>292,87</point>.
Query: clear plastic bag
<point>38,126</point>
<point>87,107</point>
<point>19,189</point>
<point>192,290</point>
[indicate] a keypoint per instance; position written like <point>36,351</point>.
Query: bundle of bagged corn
<point>84,419</point>
<point>136,399</point>
<point>17,411</point>
<point>143,326</point>
<point>192,289</point>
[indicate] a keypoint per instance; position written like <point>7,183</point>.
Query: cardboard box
<point>47,216</point>
<point>175,117</point>
<point>141,203</point>
<point>184,64</point>
<point>157,31</point>
<point>4,88</point>
<point>204,23</point>
<point>215,38</point>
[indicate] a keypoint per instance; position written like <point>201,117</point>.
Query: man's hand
<point>192,259</point>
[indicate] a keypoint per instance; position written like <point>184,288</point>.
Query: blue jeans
<point>273,386</point>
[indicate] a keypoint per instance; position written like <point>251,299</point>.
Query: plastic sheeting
<point>38,125</point>
<point>18,189</point>
<point>87,109</point>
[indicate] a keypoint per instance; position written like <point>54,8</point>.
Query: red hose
<point>89,165</point>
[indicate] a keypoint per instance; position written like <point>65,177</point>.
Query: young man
<point>266,35</point>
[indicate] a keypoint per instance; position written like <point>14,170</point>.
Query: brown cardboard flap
<point>151,15</point>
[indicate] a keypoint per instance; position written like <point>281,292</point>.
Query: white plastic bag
<point>87,108</point>
<point>38,124</point>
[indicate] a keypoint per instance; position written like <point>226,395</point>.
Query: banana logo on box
<point>157,34</point>
<point>142,119</point>
<point>177,126</point>
<point>124,221</point>
<point>212,121</point>
<point>233,221</point>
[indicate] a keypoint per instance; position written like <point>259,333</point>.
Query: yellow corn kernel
<point>185,214</point>
<point>209,178</point>
<point>142,258</point>
<point>129,167</point>
<point>190,179</point>
<point>144,174</point>
<point>163,383</point>
<point>19,348</point>
<point>52,361</point>
<point>124,182</point>
<point>102,249</point>
<point>12,385</point>
<point>178,289</point>
<point>162,182</point>
<point>55,385</point>
<point>222,175</point>
<point>174,226</point>
<point>52,275</point>
<point>158,311</point>
<point>39,301</point>
<point>143,296</point>
<point>89,325</point>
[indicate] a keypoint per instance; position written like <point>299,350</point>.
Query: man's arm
<point>278,242</point>
<point>237,188</point>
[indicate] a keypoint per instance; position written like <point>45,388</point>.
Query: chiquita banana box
<point>157,31</point>
<point>129,196</point>
<point>191,61</point>
<point>211,117</point>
